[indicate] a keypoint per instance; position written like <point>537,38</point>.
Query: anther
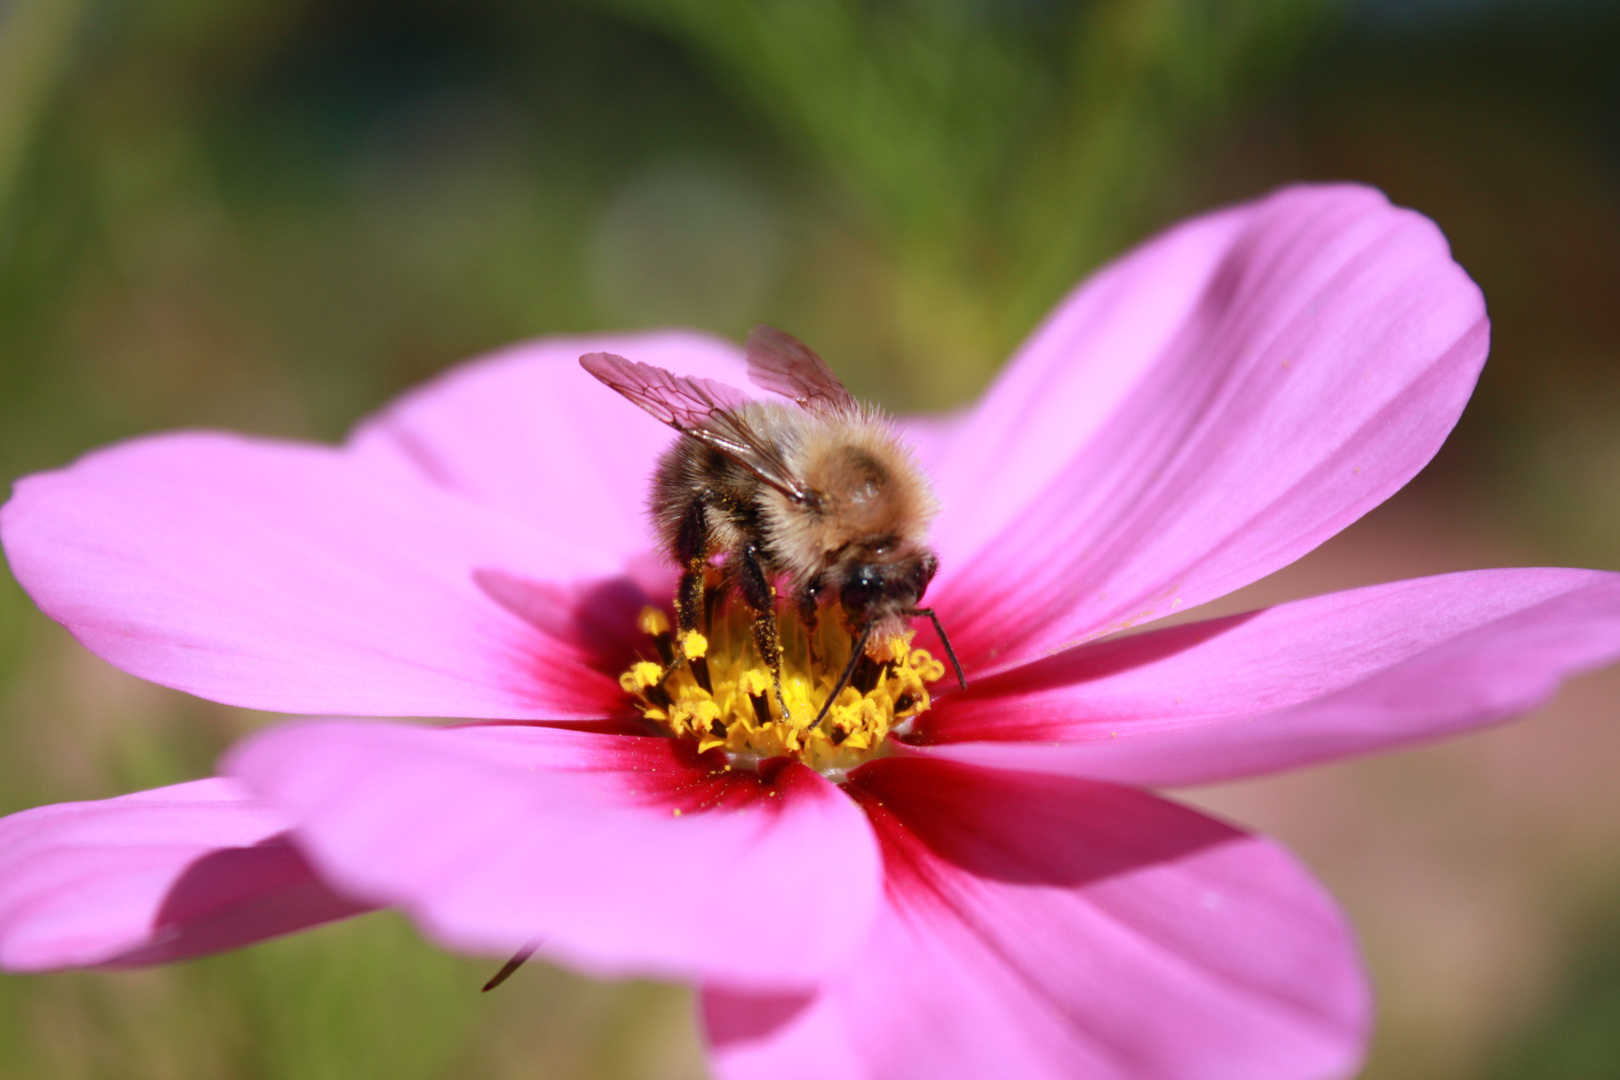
<point>655,624</point>
<point>700,672</point>
<point>712,598</point>
<point>652,622</point>
<point>865,676</point>
<point>695,647</point>
<point>739,716</point>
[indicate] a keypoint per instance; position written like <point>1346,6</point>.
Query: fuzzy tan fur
<point>870,502</point>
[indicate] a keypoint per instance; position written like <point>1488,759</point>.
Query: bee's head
<point>884,586</point>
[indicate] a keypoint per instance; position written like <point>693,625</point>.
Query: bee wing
<point>706,410</point>
<point>782,364</point>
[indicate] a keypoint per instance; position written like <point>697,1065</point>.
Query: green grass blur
<point>272,215</point>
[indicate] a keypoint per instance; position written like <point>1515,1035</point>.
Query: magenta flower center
<point>738,712</point>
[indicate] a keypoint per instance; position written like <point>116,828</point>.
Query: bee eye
<point>862,587</point>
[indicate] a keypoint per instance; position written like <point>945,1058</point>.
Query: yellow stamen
<point>742,717</point>
<point>693,645</point>
<point>652,622</point>
<point>640,676</point>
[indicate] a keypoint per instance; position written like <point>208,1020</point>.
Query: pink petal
<point>162,875</point>
<point>298,578</point>
<point>528,430</point>
<point>617,855</point>
<point>933,438</point>
<point>1341,674</point>
<point>1203,412</point>
<point>1040,926</point>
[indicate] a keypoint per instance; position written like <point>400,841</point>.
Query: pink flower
<point>996,896</point>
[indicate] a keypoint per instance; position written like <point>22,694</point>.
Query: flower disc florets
<point>739,713</point>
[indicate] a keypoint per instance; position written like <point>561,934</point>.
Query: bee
<point>819,493</point>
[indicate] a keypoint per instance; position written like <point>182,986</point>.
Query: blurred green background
<point>272,215</point>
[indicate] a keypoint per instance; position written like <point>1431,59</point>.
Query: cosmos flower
<point>985,890</point>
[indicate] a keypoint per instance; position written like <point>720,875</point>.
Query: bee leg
<point>692,551</point>
<point>943,640</point>
<point>757,593</point>
<point>688,604</point>
<point>857,653</point>
<point>770,647</point>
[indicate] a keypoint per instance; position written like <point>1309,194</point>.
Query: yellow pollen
<point>742,717</point>
<point>693,645</point>
<point>640,676</point>
<point>755,681</point>
<point>653,622</point>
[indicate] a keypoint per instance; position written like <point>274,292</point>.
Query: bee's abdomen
<point>694,482</point>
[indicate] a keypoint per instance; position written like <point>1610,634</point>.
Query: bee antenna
<point>943,640</point>
<point>856,651</point>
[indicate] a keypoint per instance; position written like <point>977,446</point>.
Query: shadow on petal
<point>596,617</point>
<point>237,896</point>
<point>1054,930</point>
<point>1001,827</point>
<point>750,1017</point>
